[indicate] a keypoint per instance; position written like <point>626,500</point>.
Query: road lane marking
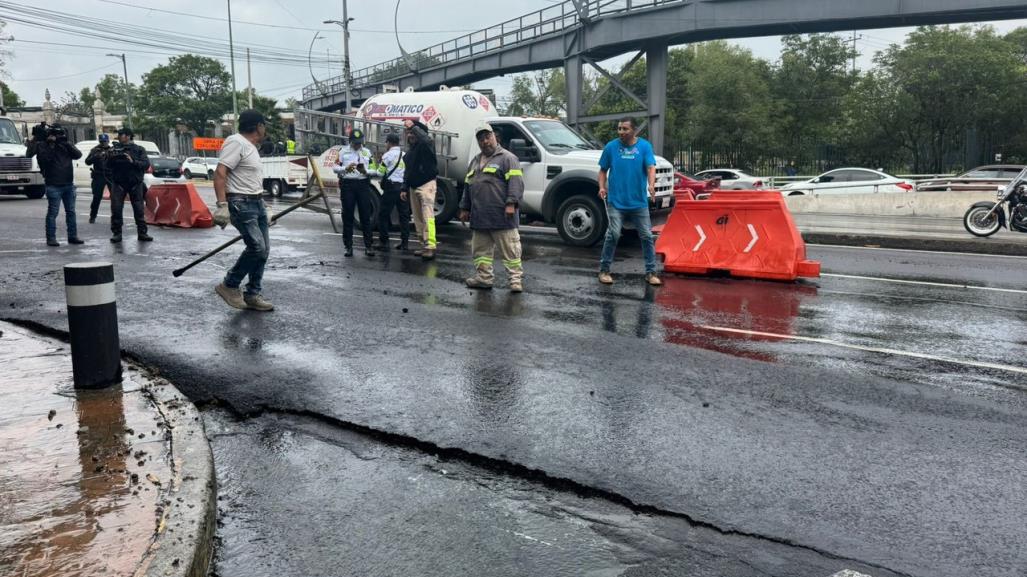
<point>843,247</point>
<point>849,573</point>
<point>925,283</point>
<point>880,350</point>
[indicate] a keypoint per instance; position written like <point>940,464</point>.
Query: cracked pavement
<point>626,427</point>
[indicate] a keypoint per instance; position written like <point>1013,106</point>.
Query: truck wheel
<point>36,192</point>
<point>447,202</point>
<point>581,220</point>
<point>275,188</point>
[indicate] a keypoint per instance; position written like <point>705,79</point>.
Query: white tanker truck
<point>560,166</point>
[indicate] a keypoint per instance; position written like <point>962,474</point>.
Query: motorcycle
<point>986,218</point>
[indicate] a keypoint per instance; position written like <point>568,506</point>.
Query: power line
<point>83,73</point>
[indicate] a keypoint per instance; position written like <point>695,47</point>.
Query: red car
<point>686,187</point>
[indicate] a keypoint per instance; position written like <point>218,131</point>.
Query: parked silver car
<point>848,181</point>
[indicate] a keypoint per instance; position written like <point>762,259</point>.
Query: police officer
<point>127,163</point>
<point>99,173</point>
<point>391,170</point>
<point>353,168</point>
<point>492,196</point>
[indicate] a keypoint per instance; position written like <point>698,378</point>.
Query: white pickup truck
<point>18,175</point>
<point>560,166</point>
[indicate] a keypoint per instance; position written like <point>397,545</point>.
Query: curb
<point>970,245</point>
<point>184,544</point>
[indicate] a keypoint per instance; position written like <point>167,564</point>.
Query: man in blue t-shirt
<point>628,166</point>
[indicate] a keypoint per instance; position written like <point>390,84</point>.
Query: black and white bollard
<point>93,324</point>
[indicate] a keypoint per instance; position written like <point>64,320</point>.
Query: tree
<point>112,93</point>
<point>540,93</point>
<point>811,82</point>
<point>70,105</point>
<point>268,107</point>
<point>944,82</point>
<point>11,98</point>
<point>190,90</point>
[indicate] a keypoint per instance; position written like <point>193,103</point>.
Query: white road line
<point>884,351</point>
<point>842,247</point>
<point>849,573</point>
<point>925,283</point>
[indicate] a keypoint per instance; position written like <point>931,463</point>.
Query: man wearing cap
<point>239,187</point>
<point>127,164</point>
<point>493,190</point>
<point>391,171</point>
<point>355,190</point>
<point>419,185</point>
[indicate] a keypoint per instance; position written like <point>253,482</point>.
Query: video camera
<point>42,131</point>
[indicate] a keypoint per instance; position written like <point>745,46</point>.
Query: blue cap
<point>104,138</point>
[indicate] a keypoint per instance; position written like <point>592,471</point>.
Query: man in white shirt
<point>239,186</point>
<point>391,169</point>
<point>353,166</point>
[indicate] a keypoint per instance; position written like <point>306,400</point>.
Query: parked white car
<point>81,169</point>
<point>848,181</point>
<point>732,179</point>
<point>164,170</point>
<point>199,167</point>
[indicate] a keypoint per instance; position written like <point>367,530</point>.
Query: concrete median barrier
<point>933,204</point>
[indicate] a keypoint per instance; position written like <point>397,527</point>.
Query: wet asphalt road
<point>709,427</point>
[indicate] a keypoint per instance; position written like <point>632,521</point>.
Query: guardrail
<point>556,19</point>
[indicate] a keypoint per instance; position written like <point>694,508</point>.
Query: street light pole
<point>345,50</point>
<point>128,90</point>
<point>231,57</point>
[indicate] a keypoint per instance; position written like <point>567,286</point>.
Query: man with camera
<point>127,161</point>
<point>99,173</point>
<point>54,154</point>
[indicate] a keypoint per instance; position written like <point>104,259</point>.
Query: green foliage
<point>112,93</point>
<point>267,107</point>
<point>191,90</point>
<point>541,93</point>
<point>11,98</point>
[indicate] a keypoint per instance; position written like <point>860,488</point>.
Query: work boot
<point>652,279</point>
<point>369,252</point>
<point>92,219</point>
<point>116,238</point>
<point>52,242</point>
<point>516,287</point>
<point>605,278</point>
<point>428,254</point>
<point>145,238</point>
<point>419,252</point>
<point>403,246</point>
<point>349,251</point>
<point>477,283</point>
<point>258,303</point>
<point>232,296</point>
<point>75,240</point>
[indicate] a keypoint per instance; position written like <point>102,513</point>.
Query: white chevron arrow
<point>702,238</point>
<point>755,237</point>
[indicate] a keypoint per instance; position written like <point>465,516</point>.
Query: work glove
<point>221,215</point>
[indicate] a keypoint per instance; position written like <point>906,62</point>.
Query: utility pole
<point>249,80</point>
<point>345,50</point>
<point>854,39</point>
<point>231,57</point>
<point>128,90</point>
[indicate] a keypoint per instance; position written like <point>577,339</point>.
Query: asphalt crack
<point>525,473</point>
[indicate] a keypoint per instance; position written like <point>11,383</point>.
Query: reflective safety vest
<point>290,146</point>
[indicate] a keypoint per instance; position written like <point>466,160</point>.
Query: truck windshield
<point>9,132</point>
<point>556,136</point>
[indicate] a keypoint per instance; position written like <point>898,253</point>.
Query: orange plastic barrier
<point>177,205</point>
<point>741,233</point>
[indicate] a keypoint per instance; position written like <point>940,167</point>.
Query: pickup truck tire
<point>376,203</point>
<point>36,192</point>
<point>275,188</point>
<point>447,201</point>
<point>581,220</point>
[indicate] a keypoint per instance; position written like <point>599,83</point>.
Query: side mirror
<point>522,151</point>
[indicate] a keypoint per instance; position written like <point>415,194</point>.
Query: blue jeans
<point>640,217</point>
<point>250,218</point>
<point>55,195</point>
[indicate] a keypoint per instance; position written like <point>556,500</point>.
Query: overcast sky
<point>288,27</point>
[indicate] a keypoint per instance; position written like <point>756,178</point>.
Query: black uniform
<point>126,171</point>
<point>100,176</point>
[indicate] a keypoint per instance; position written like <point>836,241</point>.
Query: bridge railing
<point>523,30</point>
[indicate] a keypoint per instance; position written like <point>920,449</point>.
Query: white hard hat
<point>483,127</point>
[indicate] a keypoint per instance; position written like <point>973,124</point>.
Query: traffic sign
<point>208,143</point>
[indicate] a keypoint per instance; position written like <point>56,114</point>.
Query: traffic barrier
<point>740,233</point>
<point>177,205</point>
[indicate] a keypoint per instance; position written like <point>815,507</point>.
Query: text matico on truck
<point>560,166</point>
<point>18,175</point>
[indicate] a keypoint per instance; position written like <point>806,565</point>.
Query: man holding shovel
<point>239,186</point>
